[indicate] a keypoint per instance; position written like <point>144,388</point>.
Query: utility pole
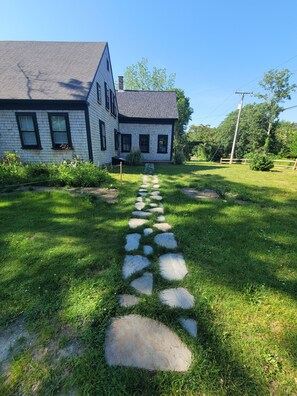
<point>238,120</point>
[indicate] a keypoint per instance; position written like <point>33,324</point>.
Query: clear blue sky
<point>214,46</point>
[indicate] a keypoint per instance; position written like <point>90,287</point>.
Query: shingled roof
<point>48,70</point>
<point>147,104</point>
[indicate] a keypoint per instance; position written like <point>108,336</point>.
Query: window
<point>107,104</point>
<point>111,101</point>
<point>28,130</point>
<point>162,144</point>
<point>144,143</point>
<point>99,95</point>
<point>126,142</point>
<point>113,104</point>
<point>102,135</point>
<point>60,130</point>
<point>116,140</point>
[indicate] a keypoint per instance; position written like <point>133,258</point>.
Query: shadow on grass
<point>209,240</point>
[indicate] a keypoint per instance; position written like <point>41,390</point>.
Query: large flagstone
<point>134,264</point>
<point>137,341</point>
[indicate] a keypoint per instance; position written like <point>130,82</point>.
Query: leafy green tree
<point>276,90</point>
<point>285,133</point>
<point>253,127</point>
<point>139,77</point>
<point>293,146</point>
<point>185,112</point>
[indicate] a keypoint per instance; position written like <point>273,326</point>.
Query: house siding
<point>153,130</point>
<point>98,112</point>
<point>10,138</point>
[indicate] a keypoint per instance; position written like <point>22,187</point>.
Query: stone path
<point>134,340</point>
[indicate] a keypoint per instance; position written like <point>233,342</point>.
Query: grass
<point>61,259</point>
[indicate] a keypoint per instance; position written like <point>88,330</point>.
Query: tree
<point>277,89</point>
<point>253,127</point>
<point>185,112</point>
<point>139,77</point>
<point>284,135</point>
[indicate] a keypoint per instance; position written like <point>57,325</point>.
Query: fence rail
<point>277,163</point>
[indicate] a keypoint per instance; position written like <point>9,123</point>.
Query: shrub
<point>134,157</point>
<point>261,162</point>
<point>40,171</point>
<point>78,174</point>
<point>179,158</point>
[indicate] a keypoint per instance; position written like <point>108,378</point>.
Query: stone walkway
<point>134,340</point>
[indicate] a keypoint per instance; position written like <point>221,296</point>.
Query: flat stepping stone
<point>147,200</point>
<point>134,223</point>
<point>132,242</point>
<point>146,185</point>
<point>144,284</point>
<point>177,298</point>
<point>133,264</point>
<point>141,214</point>
<point>156,210</point>
<point>136,341</point>
<point>147,231</point>
<point>139,205</point>
<point>156,197</point>
<point>161,218</point>
<point>204,194</point>
<point>173,266</point>
<point>128,300</point>
<point>166,240</point>
<point>143,194</point>
<point>155,193</point>
<point>164,227</point>
<point>142,190</point>
<point>147,250</point>
<point>153,205</point>
<point>156,186</point>
<point>139,199</point>
<point>190,325</point>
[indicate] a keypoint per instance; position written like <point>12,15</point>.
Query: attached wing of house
<point>146,122</point>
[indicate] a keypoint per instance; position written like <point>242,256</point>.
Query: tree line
<point>260,127</point>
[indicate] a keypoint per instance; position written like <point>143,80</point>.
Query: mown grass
<point>61,260</point>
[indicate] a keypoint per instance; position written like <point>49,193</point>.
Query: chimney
<point>121,83</point>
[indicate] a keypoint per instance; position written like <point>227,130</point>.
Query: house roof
<point>147,104</point>
<point>48,70</point>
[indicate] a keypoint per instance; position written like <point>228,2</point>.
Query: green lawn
<point>61,259</point>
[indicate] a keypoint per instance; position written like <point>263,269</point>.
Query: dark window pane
<point>162,144</point>
<point>59,123</point>
<point>26,123</point>
<point>99,96</point>
<point>144,143</point>
<point>60,138</point>
<point>102,135</point>
<point>126,143</point>
<point>29,139</point>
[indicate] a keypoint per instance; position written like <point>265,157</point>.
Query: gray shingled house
<point>146,121</point>
<point>58,99</point>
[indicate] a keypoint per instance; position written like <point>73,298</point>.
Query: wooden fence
<point>277,163</point>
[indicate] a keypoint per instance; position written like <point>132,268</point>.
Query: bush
<point>40,171</point>
<point>134,157</point>
<point>179,158</point>
<point>261,162</point>
<point>78,174</point>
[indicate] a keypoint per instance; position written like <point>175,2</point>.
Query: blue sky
<point>215,47</point>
